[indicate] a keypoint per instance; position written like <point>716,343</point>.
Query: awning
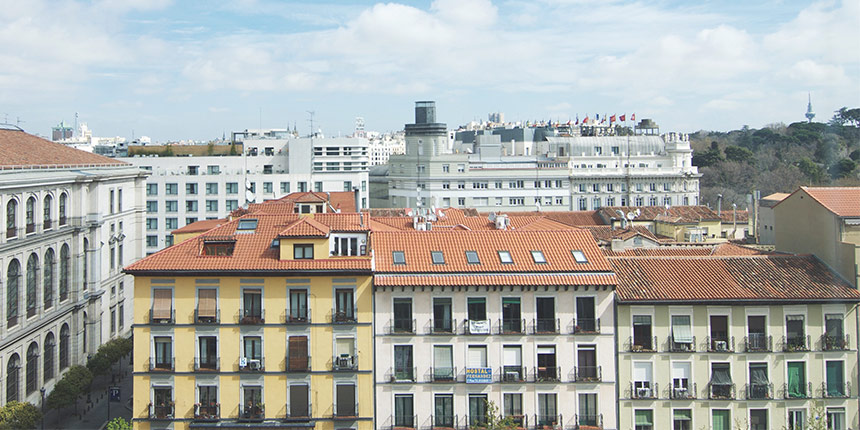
<point>644,418</point>
<point>721,376</point>
<point>641,320</point>
<point>206,302</point>
<point>162,303</point>
<point>683,415</point>
<point>681,330</point>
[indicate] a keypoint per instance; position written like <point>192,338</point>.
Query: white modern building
<point>556,168</point>
<point>519,319</point>
<point>382,146</point>
<point>183,190</point>
<point>73,220</point>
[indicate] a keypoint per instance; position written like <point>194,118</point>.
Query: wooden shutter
<point>206,302</point>
<point>298,352</point>
<point>162,303</point>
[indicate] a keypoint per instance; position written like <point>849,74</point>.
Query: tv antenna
<point>311,120</point>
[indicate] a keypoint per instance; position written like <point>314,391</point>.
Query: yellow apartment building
<point>264,321</point>
<point>724,342</point>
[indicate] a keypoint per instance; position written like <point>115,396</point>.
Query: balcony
<point>31,228</point>
<point>443,374</point>
<point>154,320</point>
<point>11,233</point>
<point>586,326</point>
<point>298,317</point>
<point>349,412</point>
<point>800,391</point>
<point>207,320</point>
<point>548,422</point>
<point>721,391</point>
<point>588,422</point>
<point>163,411</point>
<point>162,365</point>
<point>476,327</point>
<point>343,317</point>
<point>759,391</point>
<point>63,220</point>
<point>400,375</point>
<point>344,363</point>
<point>442,327</point>
<point>46,225</point>
<point>211,364</point>
<point>720,344</point>
<point>834,343</point>
<point>545,326</point>
<point>210,412</point>
<point>547,374</point>
<point>251,316</point>
<point>518,421</point>
<point>512,326</point>
<point>642,344</point>
<point>298,364</point>
<point>402,326</point>
<point>512,374</point>
<point>674,346</point>
<point>648,392</point>
<point>681,392</point>
<point>836,391</point>
<point>443,422</point>
<point>587,374</point>
<point>252,364</point>
<point>404,422</point>
<point>476,421</point>
<point>758,342</point>
<point>298,417</point>
<point>795,343</point>
<point>252,412</point>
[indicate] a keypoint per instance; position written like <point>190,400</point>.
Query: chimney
<point>719,204</point>
<point>357,199</point>
<point>617,245</point>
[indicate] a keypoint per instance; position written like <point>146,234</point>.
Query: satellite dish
<point>250,197</point>
<point>247,184</point>
<point>631,216</point>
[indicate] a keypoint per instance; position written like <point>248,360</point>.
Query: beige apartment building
<point>724,342</point>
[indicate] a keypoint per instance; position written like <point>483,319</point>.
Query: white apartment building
<point>457,329</point>
<point>183,190</point>
<point>525,169</point>
<point>382,146</point>
<point>73,220</point>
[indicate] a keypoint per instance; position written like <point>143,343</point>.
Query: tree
<point>74,382</point>
<point>842,168</point>
<point>847,117</point>
<point>495,421</point>
<point>18,415</point>
<point>118,423</point>
<point>812,171</point>
<point>708,158</point>
<point>736,153</point>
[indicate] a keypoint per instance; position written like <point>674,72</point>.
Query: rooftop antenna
<point>75,131</point>
<point>311,120</point>
<point>18,122</point>
<point>809,112</point>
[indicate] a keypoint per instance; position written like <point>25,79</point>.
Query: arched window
<point>64,272</point>
<point>49,357</point>
<point>32,267</point>
<point>63,199</point>
<point>12,218</point>
<point>31,214</point>
<point>12,275</point>
<point>46,215</point>
<point>86,261</point>
<point>32,366</point>
<point>64,346</point>
<point>48,279</point>
<point>12,378</point>
<point>86,328</point>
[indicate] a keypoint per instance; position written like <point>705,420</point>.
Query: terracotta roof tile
<point>571,218</point>
<point>456,280</point>
<point>305,227</point>
<point>739,216</point>
<point>763,278</point>
<point>842,201</point>
<point>606,233</point>
<point>22,150</point>
<point>680,214</point>
<point>686,250</point>
<point>199,226</point>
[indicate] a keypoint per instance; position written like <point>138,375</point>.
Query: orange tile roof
<point>842,201</point>
<point>252,252</point>
<point>199,226</point>
<point>465,280</point>
<point>305,227</point>
<point>679,214</point>
<point>763,278</point>
<point>571,218</point>
<point>23,150</point>
<point>555,245</point>
<point>686,250</point>
<point>739,216</point>
<point>455,218</point>
<point>606,233</point>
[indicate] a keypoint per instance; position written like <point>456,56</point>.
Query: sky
<point>196,69</point>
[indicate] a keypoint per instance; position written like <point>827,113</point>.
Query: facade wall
<point>739,359</point>
<point>275,379</point>
<point>424,387</point>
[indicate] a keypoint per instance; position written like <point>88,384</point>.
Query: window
<point>344,305</point>
<point>511,315</point>
<point>13,274</point>
<point>152,223</point>
<point>403,315</point>
<point>403,360</point>
<point>545,321</point>
<point>476,308</point>
<point>538,257</point>
<point>12,374</point>
<point>298,358</point>
<point>64,347</point>
<point>721,386</point>
<point>31,213</point>
<point>211,205</point>
<point>795,339</point>
<point>681,387</point>
<point>171,223</point>
<point>303,252</point>
<point>461,185</point>
<point>190,220</point>
<point>268,188</point>
<point>759,386</point>
<point>585,316</point>
<point>461,168</point>
<point>642,380</point>
<point>298,305</point>
<point>505,257</point>
<point>446,185</point>
<point>438,257</point>
<point>513,408</point>
<point>644,419</point>
<point>191,188</point>
<point>757,339</point>
<point>461,201</point>
<point>682,333</point>
<point>583,204</point>
<point>403,411</point>
<point>151,189</point>
<point>171,206</point>
<point>299,401</point>
<point>163,353</point>
<point>546,362</point>
<point>682,419</point>
<point>547,409</point>
<point>252,405</point>
<point>152,241</point>
<point>318,186</point>
<point>642,340</point>
<point>587,369</point>
<point>758,419</point>
<point>32,264</point>
<point>834,338</point>
<point>588,416</point>
<point>252,350</point>
<point>796,419</point>
<point>472,257</point>
<point>232,187</point>
<point>477,410</point>
<point>836,419</point>
<point>63,199</point>
<point>345,403</point>
<point>442,317</point>
<point>48,363</point>
<point>120,315</point>
<point>835,380</point>
<point>796,372</point>
<point>151,206</point>
<point>211,188</point>
<point>446,168</point>
<point>721,419</point>
<point>579,256</point>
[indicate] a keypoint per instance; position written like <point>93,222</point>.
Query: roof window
<point>472,257</point>
<point>438,257</point>
<point>505,257</point>
<point>218,247</point>
<point>538,257</point>
<point>579,256</point>
<point>247,225</point>
<point>398,257</point>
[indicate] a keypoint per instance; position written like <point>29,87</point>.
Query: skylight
<point>247,224</point>
<point>505,257</point>
<point>538,257</point>
<point>579,256</point>
<point>399,257</point>
<point>438,257</point>
<point>472,257</point>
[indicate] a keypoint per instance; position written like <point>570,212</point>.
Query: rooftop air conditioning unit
<point>721,345</point>
<point>680,393</point>
<point>512,376</point>
<point>643,392</point>
<point>254,364</point>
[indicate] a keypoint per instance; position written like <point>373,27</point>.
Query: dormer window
<point>247,225</point>
<point>538,257</point>
<point>472,257</point>
<point>579,256</point>
<point>505,257</point>
<point>398,257</point>
<point>437,257</point>
<point>218,247</point>
<point>276,243</point>
<point>303,252</point>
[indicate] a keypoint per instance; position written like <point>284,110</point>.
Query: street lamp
<point>42,391</point>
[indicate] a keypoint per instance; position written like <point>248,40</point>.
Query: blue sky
<point>196,69</point>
